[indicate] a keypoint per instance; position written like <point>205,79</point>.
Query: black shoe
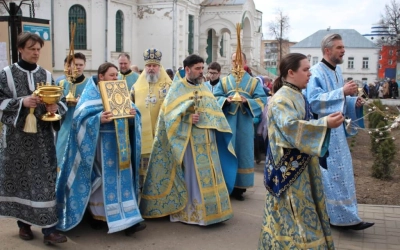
<point>54,238</point>
<point>359,226</point>
<point>25,233</point>
<point>97,224</point>
<point>238,193</point>
<point>135,228</point>
<point>362,225</point>
<point>239,197</point>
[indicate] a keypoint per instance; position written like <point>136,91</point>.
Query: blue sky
<point>309,16</point>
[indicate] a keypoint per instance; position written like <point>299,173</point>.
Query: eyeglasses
<point>213,73</point>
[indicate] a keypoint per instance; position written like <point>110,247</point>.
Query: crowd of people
<point>185,150</point>
<point>382,89</point>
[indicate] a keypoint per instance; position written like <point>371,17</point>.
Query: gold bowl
<point>49,94</point>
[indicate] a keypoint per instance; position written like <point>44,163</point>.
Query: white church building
<point>178,28</point>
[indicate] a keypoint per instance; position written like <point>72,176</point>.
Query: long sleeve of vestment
<point>324,101</point>
<point>294,131</point>
<point>12,110</point>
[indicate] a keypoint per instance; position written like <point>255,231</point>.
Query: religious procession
<point>123,147</point>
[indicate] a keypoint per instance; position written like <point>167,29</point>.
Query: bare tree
<point>278,29</point>
<point>391,17</point>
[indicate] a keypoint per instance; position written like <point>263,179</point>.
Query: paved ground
<point>239,233</point>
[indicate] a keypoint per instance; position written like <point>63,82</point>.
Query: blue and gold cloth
<point>297,218</point>
<point>108,147</point>
<point>165,191</point>
<point>240,118</point>
<point>130,78</point>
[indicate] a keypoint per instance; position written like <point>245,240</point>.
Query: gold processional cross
<point>196,98</point>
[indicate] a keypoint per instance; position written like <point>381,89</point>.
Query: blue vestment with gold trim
<point>240,117</point>
<point>130,78</point>
<point>165,190</point>
<point>114,148</point>
<point>295,212</point>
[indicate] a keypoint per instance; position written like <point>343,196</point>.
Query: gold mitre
<point>152,56</point>
<point>238,69</point>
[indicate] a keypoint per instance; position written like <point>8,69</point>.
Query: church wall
<point>130,30</point>
<point>154,30</point>
<point>95,33</point>
<point>98,49</point>
<point>147,23</point>
<point>225,19</point>
<point>184,10</point>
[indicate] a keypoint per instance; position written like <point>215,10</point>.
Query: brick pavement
<point>385,234</point>
<point>239,233</point>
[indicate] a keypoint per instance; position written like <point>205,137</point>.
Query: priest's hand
<point>244,100</point>
<point>31,101</point>
<point>350,88</point>
<point>359,102</point>
<point>132,111</point>
<point>105,117</point>
<point>229,99</point>
<point>195,118</point>
<point>52,108</point>
<point>335,120</point>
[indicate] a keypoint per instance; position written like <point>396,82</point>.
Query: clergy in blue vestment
<point>295,213</point>
<point>125,72</point>
<point>192,162</point>
<point>240,116</point>
<point>214,73</point>
<point>100,164</point>
<point>327,93</point>
<point>72,90</point>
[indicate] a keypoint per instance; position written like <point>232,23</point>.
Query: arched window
<point>77,15</point>
<point>119,31</point>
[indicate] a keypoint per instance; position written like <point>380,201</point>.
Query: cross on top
<point>196,98</point>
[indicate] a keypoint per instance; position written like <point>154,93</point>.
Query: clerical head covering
<point>152,56</point>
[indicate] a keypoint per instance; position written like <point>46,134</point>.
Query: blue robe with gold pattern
<point>165,190</point>
<point>297,219</point>
<point>130,78</point>
<point>240,118</point>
